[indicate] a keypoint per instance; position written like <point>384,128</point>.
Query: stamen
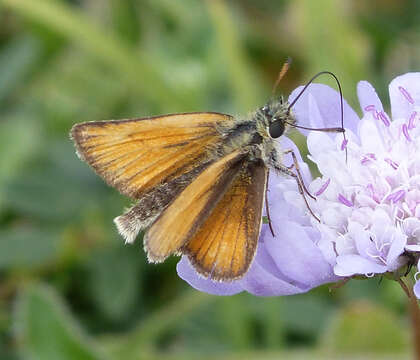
<point>390,197</point>
<point>344,144</point>
<point>393,164</point>
<point>345,201</point>
<point>411,121</point>
<point>396,196</point>
<point>406,94</point>
<point>372,193</point>
<point>370,108</point>
<point>379,257</point>
<point>323,187</point>
<point>405,132</point>
<point>364,160</point>
<point>367,158</point>
<point>384,118</point>
<point>382,247</point>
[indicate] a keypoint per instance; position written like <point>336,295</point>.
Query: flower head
<point>368,201</point>
<point>370,210</point>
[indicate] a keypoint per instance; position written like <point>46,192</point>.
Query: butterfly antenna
<point>344,144</point>
<point>282,72</point>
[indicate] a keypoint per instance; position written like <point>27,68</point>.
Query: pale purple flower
<point>369,205</point>
<point>370,211</point>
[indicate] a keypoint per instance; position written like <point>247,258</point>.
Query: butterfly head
<point>277,117</point>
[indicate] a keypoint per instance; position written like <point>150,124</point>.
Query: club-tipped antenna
<point>282,72</point>
<point>341,105</point>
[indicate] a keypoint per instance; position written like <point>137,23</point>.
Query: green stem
<point>414,315</point>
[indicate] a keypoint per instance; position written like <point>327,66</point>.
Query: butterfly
<point>199,180</point>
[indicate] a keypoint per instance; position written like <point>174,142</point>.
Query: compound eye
<point>264,109</point>
<point>276,128</point>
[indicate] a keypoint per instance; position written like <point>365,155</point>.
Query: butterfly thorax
<point>256,133</point>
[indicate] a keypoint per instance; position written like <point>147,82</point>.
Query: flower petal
<point>260,282</point>
<point>319,143</point>
<point>278,187</point>
<point>297,256</point>
<point>404,93</point>
<point>368,98</point>
<point>328,105</point>
<point>397,248</point>
<point>186,272</point>
<point>348,265</point>
<point>361,238</point>
<point>284,144</point>
<point>370,136</point>
<point>416,289</point>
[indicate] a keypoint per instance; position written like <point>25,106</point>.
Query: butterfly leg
<point>267,208</point>
<point>302,192</point>
<point>299,174</point>
<point>299,180</point>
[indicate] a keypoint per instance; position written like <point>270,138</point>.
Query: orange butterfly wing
<point>216,220</point>
<point>225,245</point>
<point>136,155</point>
<point>185,214</point>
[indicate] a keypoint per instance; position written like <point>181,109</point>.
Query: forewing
<point>183,217</point>
<point>136,155</point>
<point>225,245</point>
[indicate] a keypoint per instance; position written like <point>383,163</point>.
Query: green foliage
<point>114,280</point>
<point>45,330</point>
<point>363,327</point>
<point>70,288</point>
<point>27,248</point>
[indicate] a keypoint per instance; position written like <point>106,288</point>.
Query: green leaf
<point>114,280</point>
<point>56,188</point>
<point>305,314</point>
<point>18,139</point>
<point>27,247</point>
<point>365,327</point>
<point>47,331</point>
<point>125,19</point>
<point>147,333</point>
<point>137,69</point>
<point>16,60</point>
<point>243,79</point>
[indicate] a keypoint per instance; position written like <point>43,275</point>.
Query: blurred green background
<point>70,288</point>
